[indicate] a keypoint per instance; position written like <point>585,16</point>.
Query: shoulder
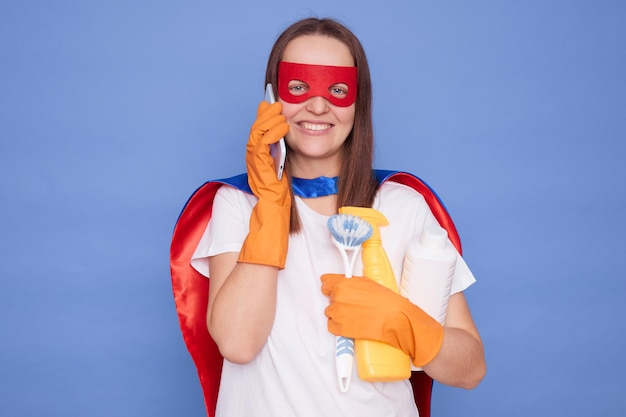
<point>406,178</point>
<point>233,196</point>
<point>429,196</point>
<point>400,201</point>
<point>401,184</point>
<point>231,185</point>
<point>416,184</point>
<point>399,192</point>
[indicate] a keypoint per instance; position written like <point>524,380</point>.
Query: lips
<point>316,127</point>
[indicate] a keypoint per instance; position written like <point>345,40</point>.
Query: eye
<point>339,90</point>
<point>297,87</point>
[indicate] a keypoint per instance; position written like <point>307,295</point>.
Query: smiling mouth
<point>316,127</point>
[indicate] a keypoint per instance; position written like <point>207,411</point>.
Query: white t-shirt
<point>294,373</point>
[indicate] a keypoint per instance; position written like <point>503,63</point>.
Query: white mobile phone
<point>278,149</point>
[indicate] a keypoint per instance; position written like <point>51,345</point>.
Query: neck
<point>308,168</point>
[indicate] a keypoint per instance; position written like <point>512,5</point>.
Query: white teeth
<point>316,127</point>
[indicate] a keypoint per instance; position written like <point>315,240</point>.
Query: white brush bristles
<point>348,233</point>
<point>349,230</point>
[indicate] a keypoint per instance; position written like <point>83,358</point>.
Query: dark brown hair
<point>357,185</point>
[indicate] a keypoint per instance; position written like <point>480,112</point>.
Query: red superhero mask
<point>319,79</point>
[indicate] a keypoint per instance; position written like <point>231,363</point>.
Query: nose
<point>317,105</point>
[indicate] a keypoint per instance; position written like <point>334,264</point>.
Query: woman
<point>267,251</point>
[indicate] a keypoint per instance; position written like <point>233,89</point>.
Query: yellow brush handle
<point>377,361</point>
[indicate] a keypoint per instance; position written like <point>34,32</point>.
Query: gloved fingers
<point>262,126</point>
<point>258,158</point>
<point>354,323</point>
<point>335,327</point>
<point>270,125</point>
<point>358,303</point>
<point>329,281</point>
<point>265,112</point>
<point>261,108</point>
<point>278,128</point>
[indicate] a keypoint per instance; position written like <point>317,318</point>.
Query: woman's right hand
<point>268,238</point>
<point>269,127</point>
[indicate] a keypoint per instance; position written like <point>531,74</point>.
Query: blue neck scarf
<point>316,187</point>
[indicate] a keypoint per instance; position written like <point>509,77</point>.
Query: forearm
<point>460,362</point>
<point>241,310</point>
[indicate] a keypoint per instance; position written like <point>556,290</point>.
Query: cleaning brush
<point>348,233</point>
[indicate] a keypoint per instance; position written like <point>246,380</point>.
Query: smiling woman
<point>276,302</point>
<point>319,122</point>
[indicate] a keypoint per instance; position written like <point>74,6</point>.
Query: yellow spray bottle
<point>377,361</point>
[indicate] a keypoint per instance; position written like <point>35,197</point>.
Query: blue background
<point>113,112</point>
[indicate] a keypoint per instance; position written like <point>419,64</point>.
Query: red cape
<point>191,289</point>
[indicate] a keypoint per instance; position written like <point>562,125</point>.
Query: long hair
<point>357,184</point>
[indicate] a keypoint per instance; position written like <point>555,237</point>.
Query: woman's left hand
<point>360,308</point>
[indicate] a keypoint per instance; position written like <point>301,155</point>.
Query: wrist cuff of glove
<point>428,338</point>
<point>268,238</point>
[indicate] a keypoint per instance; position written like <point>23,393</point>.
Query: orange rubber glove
<point>268,237</point>
<point>360,308</point>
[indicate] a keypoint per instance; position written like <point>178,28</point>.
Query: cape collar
<point>316,187</point>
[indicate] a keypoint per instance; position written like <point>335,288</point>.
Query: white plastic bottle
<point>428,270</point>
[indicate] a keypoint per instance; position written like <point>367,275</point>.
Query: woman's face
<point>317,128</point>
